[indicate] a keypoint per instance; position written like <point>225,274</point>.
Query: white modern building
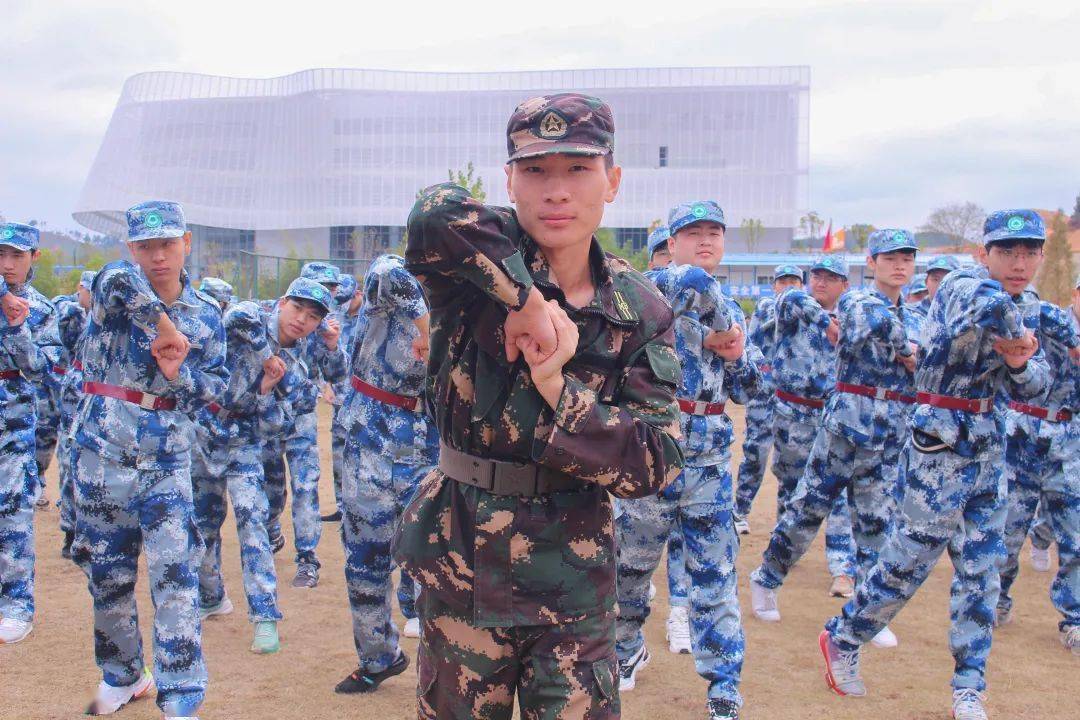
<point>327,162</point>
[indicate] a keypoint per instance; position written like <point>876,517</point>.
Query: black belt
<point>504,478</point>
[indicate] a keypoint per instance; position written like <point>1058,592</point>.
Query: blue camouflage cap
<point>833,263</point>
<point>19,236</point>
<point>687,214</point>
<point>658,237</point>
<point>321,272</point>
<point>217,289</point>
<point>786,271</point>
<point>344,292</point>
<point>943,262</point>
<point>155,219</point>
<point>890,240</point>
<point>308,289</point>
<point>1006,225</point>
<point>87,278</point>
<point>918,284</point>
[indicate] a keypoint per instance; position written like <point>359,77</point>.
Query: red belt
<point>948,402</point>
<point>407,402</point>
<point>700,407</point>
<point>9,374</point>
<point>77,365</point>
<point>1041,412</point>
<point>59,369</point>
<point>875,392</point>
<point>800,400</point>
<point>144,400</point>
<point>220,411</point>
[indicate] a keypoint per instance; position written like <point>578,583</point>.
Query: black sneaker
<point>69,538</point>
<point>307,576</point>
<point>277,542</point>
<point>723,710</point>
<point>628,669</point>
<point>359,681</point>
<point>332,517</point>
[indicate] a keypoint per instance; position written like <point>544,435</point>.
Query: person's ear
<point>614,177</point>
<point>509,168</point>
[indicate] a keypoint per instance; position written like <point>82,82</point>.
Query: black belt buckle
<point>514,479</point>
<point>480,478</point>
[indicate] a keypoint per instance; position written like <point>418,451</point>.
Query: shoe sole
<point>18,639</point>
<point>220,611</point>
<point>823,645</point>
<point>137,695</point>
<point>266,651</point>
<point>372,688</point>
<point>632,682</point>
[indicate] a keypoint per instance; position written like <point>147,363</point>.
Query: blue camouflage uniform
<point>72,323</point>
<point>132,472</point>
<point>856,451</point>
<point>1042,467</point>
<point>389,449</point>
<point>759,411</point>
<point>24,359</point>
<point>953,459</point>
<point>699,501</point>
<point>804,365</point>
<point>299,439</point>
<point>343,297</point>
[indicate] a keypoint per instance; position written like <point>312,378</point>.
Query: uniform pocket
<point>604,672</point>
<point>664,363</point>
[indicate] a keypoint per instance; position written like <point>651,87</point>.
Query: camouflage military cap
<point>155,219</point>
<point>833,263</point>
<point>308,289</point>
<point>687,214</point>
<point>1008,225</point>
<point>19,236</point>
<point>86,280</point>
<point>658,237</point>
<point>217,289</point>
<point>786,271</point>
<point>321,272</point>
<point>918,284</point>
<point>344,292</point>
<point>943,262</point>
<point>569,123</point>
<point>890,240</point>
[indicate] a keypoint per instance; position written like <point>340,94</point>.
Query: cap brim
<point>17,245</point>
<point>1013,237</point>
<point>557,147</point>
<point>784,275</point>
<point>157,234</point>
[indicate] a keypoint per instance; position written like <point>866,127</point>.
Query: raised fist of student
<point>535,320</point>
<point>169,347</point>
<point>909,361</point>
<point>729,345</point>
<point>420,348</point>
<point>15,308</point>
<point>546,368</point>
<point>832,333</point>
<point>331,334</point>
<point>1017,352</point>
<point>273,372</point>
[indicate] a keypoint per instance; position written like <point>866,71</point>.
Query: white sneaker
<point>109,699</point>
<point>742,525</point>
<point>967,705</point>
<point>628,669</point>
<point>678,631</point>
<point>13,631</point>
<point>412,628</point>
<point>1040,559</point>
<point>1070,638</point>
<point>222,608</point>
<point>763,600</point>
<point>652,591</point>
<point>885,639</point>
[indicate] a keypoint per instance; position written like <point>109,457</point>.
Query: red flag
<point>832,242</point>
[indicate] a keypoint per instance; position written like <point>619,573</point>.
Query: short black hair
<point>900,251</point>
<point>660,246</point>
<point>1029,243</point>
<point>309,304</point>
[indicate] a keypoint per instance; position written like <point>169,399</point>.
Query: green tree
<point>1074,221</point>
<point>752,232</point>
<point>466,179</point>
<point>858,235</point>
<point>638,259</point>
<point>811,224</point>
<point>1055,280</point>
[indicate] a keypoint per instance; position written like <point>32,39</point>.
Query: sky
<point>913,104</point>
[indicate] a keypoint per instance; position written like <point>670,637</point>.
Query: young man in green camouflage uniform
<point>551,379</point>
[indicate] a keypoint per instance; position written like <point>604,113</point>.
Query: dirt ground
<point>52,674</point>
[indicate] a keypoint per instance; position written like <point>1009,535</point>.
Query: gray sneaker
<point>841,668</point>
<point>1070,638</point>
<point>307,576</point>
<point>967,705</point>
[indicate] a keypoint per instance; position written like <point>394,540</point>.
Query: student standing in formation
<point>551,378</point>
<point>1042,468</point>
<point>975,346</point>
<point>153,357</point>
<point>758,438</point>
<point>710,341</point>
<point>857,448</point>
<point>73,317</point>
<point>29,341</point>
<point>390,447</point>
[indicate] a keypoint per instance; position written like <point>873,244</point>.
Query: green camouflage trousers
<point>558,671</point>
